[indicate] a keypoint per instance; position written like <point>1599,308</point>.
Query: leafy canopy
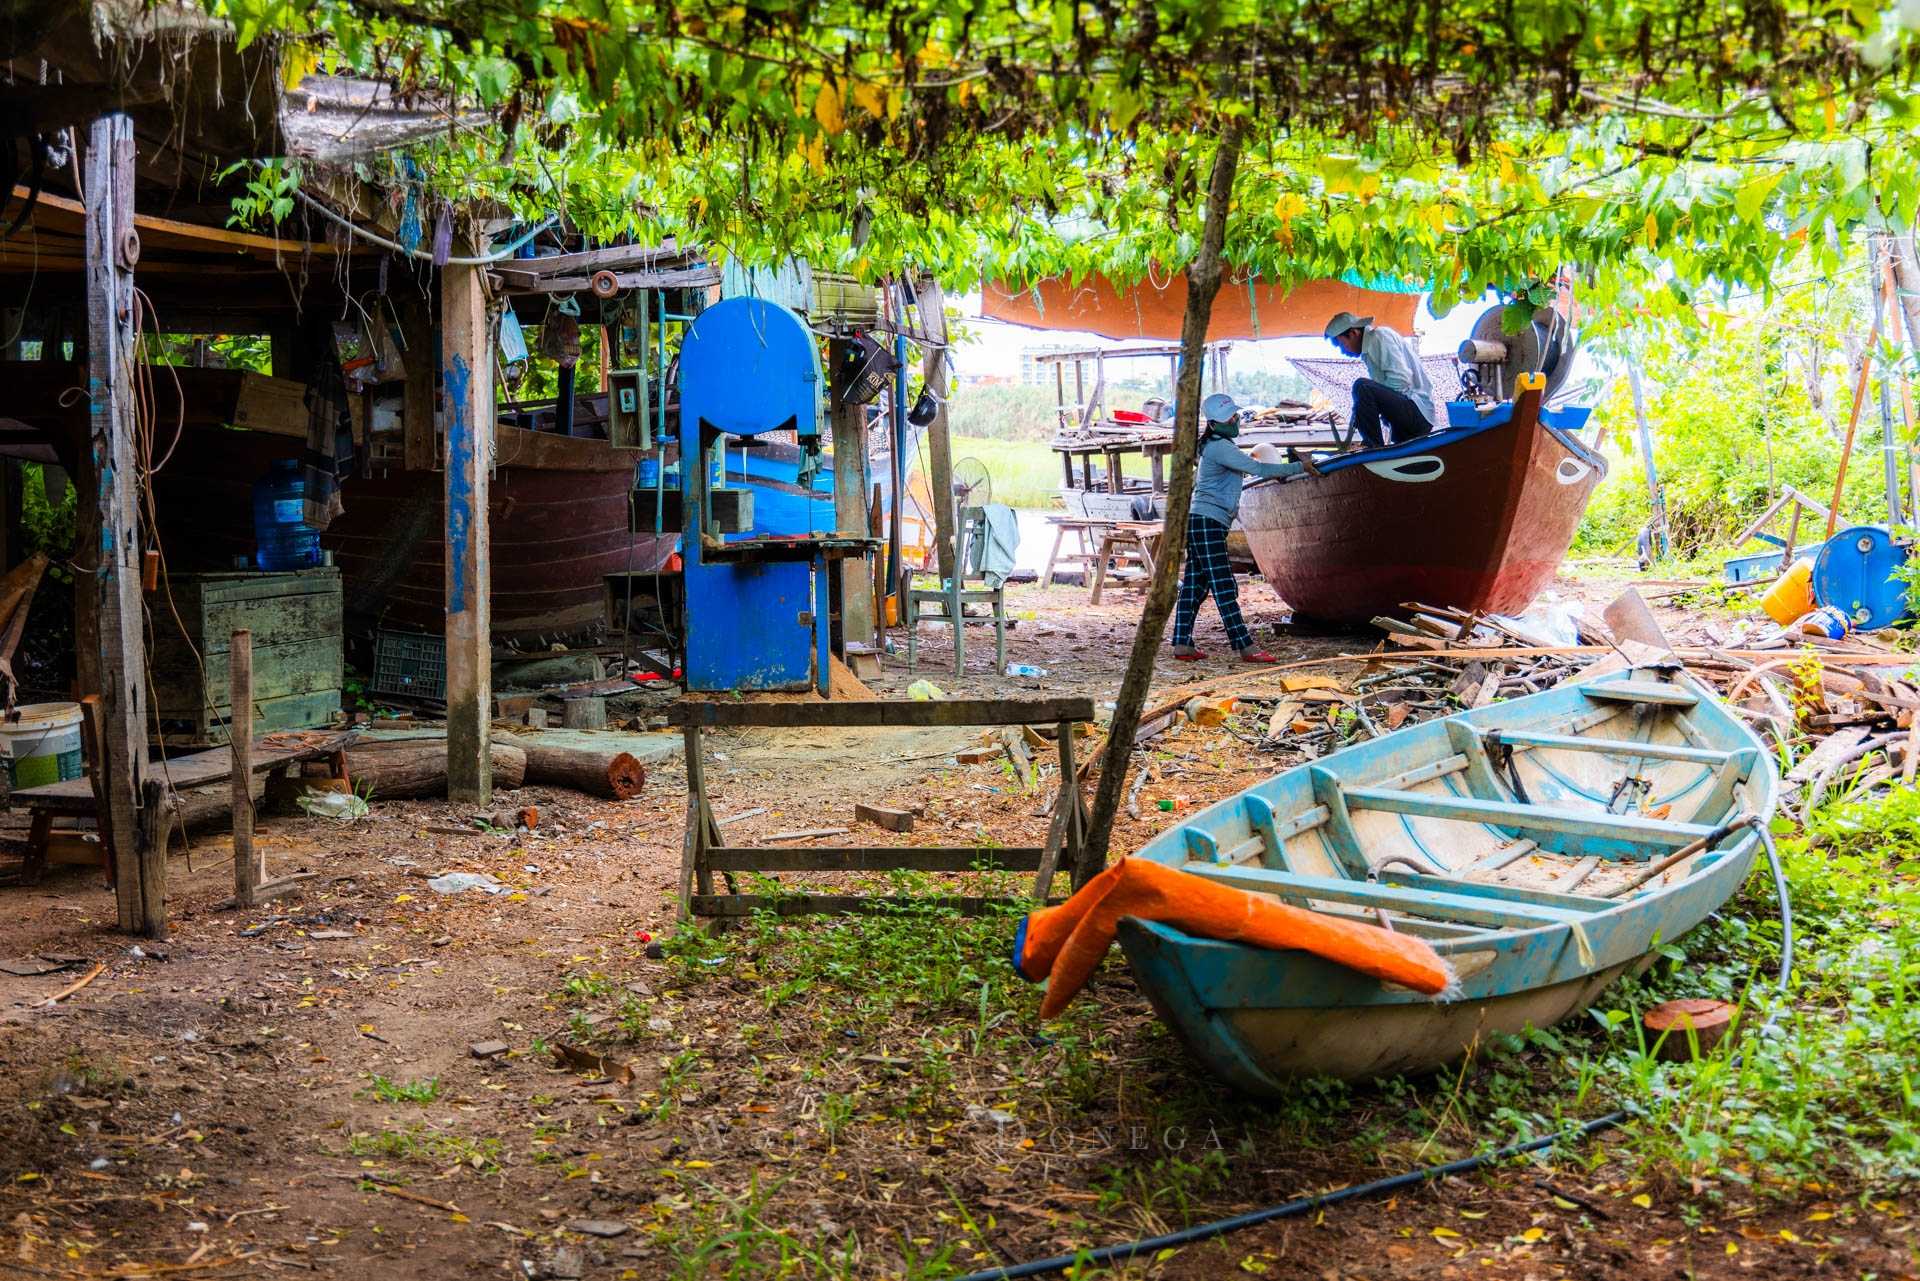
<point>1457,145</point>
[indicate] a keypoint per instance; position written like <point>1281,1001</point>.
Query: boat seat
<point>1527,818</point>
<point>1472,908</point>
<point>1617,746</point>
<point>1639,692</point>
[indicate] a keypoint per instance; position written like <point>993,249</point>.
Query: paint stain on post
<point>460,458</point>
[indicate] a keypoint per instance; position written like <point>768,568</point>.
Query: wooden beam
<point>850,508</point>
<point>933,314</point>
<point>118,640</point>
<point>246,863</point>
<point>423,366</point>
<point>467,375</point>
<point>57,214</point>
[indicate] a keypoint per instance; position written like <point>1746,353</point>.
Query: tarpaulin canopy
<point>1242,309</point>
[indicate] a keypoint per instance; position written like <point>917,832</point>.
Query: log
<point>418,767</point>
<point>616,775</point>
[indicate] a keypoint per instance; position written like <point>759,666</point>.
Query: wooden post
<point>416,406</point>
<point>246,864</point>
<point>933,314</point>
<point>1203,282</point>
<point>850,510</point>
<point>466,366</point>
<point>118,642</point>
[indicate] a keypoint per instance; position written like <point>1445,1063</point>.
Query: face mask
<point>1229,429</point>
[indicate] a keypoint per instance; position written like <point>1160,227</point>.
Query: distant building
<point>1032,372</point>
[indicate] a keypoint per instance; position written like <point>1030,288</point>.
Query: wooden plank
<point>731,905</point>
<point>57,213</point>
<point>883,713</point>
<point>1529,818</point>
<point>247,873</point>
<point>200,769</point>
<point>868,858</point>
<point>418,432</point>
<point>467,376</point>
<point>140,875</point>
<point>1639,692</point>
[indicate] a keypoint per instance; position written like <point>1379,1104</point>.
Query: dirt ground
<point>232,1101</point>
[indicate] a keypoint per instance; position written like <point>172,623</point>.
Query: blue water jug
<point>282,538</point>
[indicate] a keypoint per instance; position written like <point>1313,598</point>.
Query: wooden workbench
<point>194,785</point>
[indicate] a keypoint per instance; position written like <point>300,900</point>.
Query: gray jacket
<point>1224,467</point>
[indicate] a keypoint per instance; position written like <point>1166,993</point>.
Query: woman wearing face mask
<point>1224,467</point>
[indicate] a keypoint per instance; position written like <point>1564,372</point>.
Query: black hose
<point>1292,1209</point>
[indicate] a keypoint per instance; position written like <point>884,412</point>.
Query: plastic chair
<point>953,596</point>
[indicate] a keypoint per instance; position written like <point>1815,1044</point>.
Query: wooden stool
<point>1128,545</point>
<point>1083,528</point>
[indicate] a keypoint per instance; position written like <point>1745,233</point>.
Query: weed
<point>431,1147</point>
<point>390,1091</point>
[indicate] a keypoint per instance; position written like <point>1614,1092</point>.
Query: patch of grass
<point>744,1238</point>
<point>427,1147</point>
<point>1026,473</point>
<point>388,1090</point>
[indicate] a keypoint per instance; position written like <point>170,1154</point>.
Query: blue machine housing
<point>747,367</point>
<point>1858,573</point>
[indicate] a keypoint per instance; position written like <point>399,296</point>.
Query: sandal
<point>1257,656</point>
<point>1191,657</point>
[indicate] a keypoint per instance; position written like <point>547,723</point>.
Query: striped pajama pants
<point>1208,573</point>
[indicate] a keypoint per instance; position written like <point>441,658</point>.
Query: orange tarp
<point>1065,944</point>
<point>1096,305</point>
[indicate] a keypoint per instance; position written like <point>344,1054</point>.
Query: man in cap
<point>1396,388</point>
<point>1216,499</point>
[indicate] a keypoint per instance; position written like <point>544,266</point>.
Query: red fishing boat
<point>1477,516</point>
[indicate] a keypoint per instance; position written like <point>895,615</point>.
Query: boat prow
<point>1543,846</point>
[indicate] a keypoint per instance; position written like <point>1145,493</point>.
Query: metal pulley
<point>604,284</point>
<point>1544,346</point>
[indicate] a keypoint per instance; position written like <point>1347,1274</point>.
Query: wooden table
<point>1082,528</point>
<point>192,783</point>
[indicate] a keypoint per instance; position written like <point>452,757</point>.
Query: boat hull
<point>1532,939</point>
<point>1478,519</point>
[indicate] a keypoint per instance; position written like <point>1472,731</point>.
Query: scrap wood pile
<point>1842,712</point>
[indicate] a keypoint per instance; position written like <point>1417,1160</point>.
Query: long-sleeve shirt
<point>1224,467</point>
<point>1391,359</point>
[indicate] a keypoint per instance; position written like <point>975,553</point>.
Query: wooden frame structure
<point>703,853</point>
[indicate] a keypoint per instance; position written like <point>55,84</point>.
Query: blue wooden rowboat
<point>1517,838</point>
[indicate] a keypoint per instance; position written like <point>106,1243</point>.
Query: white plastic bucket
<point>40,744</point>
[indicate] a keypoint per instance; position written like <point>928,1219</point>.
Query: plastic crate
<point>410,664</point>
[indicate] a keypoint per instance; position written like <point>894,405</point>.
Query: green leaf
<point>1515,317</point>
<point>1751,198</point>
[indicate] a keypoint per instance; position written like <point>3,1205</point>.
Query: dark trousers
<point>1208,573</point>
<point>1375,401</point>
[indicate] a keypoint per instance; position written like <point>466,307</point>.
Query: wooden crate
<point>295,618</point>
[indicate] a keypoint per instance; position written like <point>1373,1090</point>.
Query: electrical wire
<point>500,255</point>
<point>1148,1246</point>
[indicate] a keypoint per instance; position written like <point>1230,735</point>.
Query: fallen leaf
<point>1644,1201</point>
<point>1445,1232</point>
<point>1531,1235</point>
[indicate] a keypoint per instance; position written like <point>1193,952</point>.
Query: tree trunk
<point>614,775</point>
<point>1203,282</point>
<point>1906,278</point>
<point>418,767</point>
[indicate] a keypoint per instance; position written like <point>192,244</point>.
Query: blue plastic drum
<point>1857,573</point>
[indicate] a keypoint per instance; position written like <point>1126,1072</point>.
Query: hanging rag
<point>1065,944</point>
<point>993,552</point>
